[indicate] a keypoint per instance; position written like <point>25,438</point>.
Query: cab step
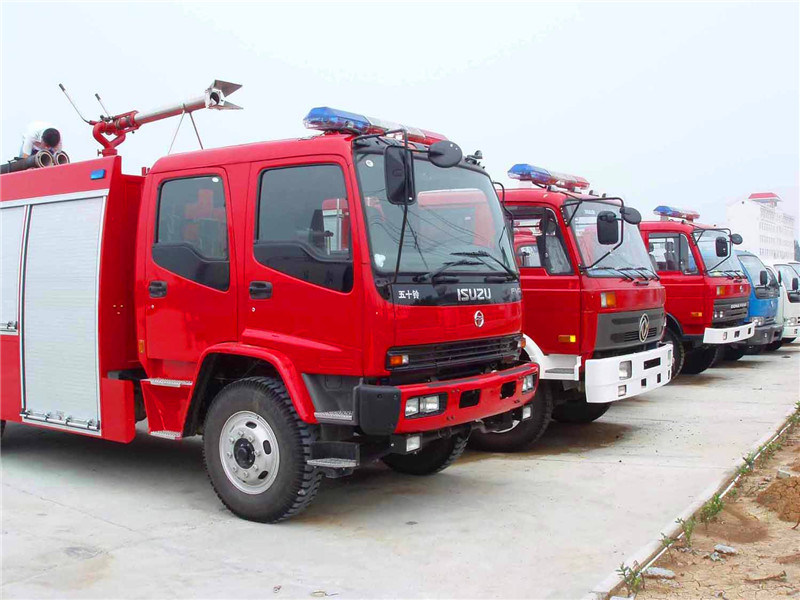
<point>334,459</point>
<point>167,435</point>
<point>333,463</point>
<point>338,417</point>
<point>560,371</point>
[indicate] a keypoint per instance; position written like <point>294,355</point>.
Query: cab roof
<point>552,198</point>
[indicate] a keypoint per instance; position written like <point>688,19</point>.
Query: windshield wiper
<point>483,254</point>
<point>453,263</point>
<point>620,271</point>
<point>643,271</point>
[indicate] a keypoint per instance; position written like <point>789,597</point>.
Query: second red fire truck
<point>594,307</point>
<point>306,305</point>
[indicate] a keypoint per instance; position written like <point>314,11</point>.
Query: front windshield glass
<point>717,266</point>
<point>630,257</point>
<point>456,223</point>
<point>753,266</point>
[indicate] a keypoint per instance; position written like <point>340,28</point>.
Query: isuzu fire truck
<point>789,279</point>
<point>306,305</point>
<point>594,308</point>
<point>707,292</point>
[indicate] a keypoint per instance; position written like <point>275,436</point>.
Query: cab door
<point>190,295</point>
<point>304,293</point>
<point>550,284</point>
<point>675,263</point>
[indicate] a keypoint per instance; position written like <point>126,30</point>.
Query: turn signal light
<point>567,339</point>
<point>720,290</point>
<point>608,299</point>
<point>696,314</point>
<point>398,360</point>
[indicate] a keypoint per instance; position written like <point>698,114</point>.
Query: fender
<point>675,324</point>
<point>548,362</point>
<point>285,368</point>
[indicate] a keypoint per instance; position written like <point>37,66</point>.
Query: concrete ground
<point>83,518</point>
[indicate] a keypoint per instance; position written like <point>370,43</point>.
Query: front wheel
<point>431,458</point>
<point>700,359</point>
<point>771,347</point>
<point>579,411</point>
<point>522,434</point>
<point>734,352</point>
<point>255,449</point>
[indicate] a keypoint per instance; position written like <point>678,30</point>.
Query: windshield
<point>717,266</point>
<point>753,266</point>
<point>630,256</point>
<point>787,275</point>
<point>456,223</point>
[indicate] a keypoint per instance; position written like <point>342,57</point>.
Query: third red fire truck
<point>594,307</point>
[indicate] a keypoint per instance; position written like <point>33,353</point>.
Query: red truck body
<point>705,308</point>
<point>168,306</point>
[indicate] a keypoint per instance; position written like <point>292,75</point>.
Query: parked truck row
<point>309,306</point>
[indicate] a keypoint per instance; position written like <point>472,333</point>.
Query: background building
<point>765,228</point>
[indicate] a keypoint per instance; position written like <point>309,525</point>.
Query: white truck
<point>789,302</point>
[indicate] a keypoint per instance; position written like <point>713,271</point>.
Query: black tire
<point>2,428</point>
<point>678,351</point>
<point>522,435</point>
<point>788,340</point>
<point>295,484</point>
<point>579,411</point>
<point>431,458</point>
<point>772,346</point>
<point>734,352</point>
<point>700,359</point>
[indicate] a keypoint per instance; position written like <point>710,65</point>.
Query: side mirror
<point>722,246</point>
<point>630,215</point>
<point>736,239</point>
<point>399,174</point>
<point>763,278</point>
<point>795,284</point>
<point>607,228</point>
<point>445,154</point>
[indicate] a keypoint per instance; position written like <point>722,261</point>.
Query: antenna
<point>84,119</point>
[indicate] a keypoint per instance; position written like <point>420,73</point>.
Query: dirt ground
<point>759,521</point>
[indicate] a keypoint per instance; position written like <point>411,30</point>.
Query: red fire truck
<point>707,292</point>
<point>594,308</point>
<point>306,305</point>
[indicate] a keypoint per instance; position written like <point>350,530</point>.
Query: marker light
<point>567,339</point>
<point>720,290</point>
<point>678,213</point>
<point>324,118</point>
<point>696,314</point>
<point>526,172</point>
<point>608,299</point>
<point>398,360</point>
<point>413,442</point>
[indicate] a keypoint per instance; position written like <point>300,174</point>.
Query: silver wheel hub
<point>249,453</point>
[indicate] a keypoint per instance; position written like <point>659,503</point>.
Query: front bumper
<point>791,331</point>
<point>465,400</point>
<point>766,334</point>
<point>649,370</point>
<point>728,335</point>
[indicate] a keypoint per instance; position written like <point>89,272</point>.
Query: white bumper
<point>649,370</point>
<point>728,335</point>
<point>791,331</point>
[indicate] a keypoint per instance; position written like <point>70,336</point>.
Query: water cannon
<point>110,131</point>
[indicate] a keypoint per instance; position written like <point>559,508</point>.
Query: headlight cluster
<point>625,369</point>
<point>757,321</point>
<point>718,314</point>
<point>528,383</point>
<point>424,405</point>
<point>792,321</point>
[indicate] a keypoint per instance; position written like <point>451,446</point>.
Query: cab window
<point>543,246</point>
<point>303,225</point>
<point>670,252</point>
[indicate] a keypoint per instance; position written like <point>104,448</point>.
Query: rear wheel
<point>774,345</point>
<point>431,458</point>
<point>699,359</point>
<point>579,411</point>
<point>678,351</point>
<point>734,352</point>
<point>255,449</point>
<point>522,434</point>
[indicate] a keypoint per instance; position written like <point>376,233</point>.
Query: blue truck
<point>763,308</point>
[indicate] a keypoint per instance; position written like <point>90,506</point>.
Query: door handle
<point>157,289</point>
<point>260,290</point>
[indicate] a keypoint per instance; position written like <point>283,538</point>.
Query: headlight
<point>792,321</point>
<point>625,369</point>
<point>424,405</point>
<point>757,321</point>
<point>527,383</point>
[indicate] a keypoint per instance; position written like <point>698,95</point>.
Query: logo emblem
<point>644,326</point>
<point>479,319</point>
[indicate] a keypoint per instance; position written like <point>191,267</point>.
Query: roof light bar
<point>526,172</point>
<point>323,118</point>
<point>677,213</point>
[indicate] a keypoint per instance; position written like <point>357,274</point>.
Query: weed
<point>711,509</point>
<point>749,464</point>
<point>631,577</point>
<point>666,543</point>
<point>688,529</point>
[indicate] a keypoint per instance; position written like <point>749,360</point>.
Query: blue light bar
<point>675,212</point>
<point>525,172</point>
<point>331,119</point>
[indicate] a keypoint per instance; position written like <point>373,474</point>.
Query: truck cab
<point>593,305</point>
<point>303,305</point>
<point>707,290</point>
<point>788,277</point>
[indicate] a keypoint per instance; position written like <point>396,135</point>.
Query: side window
<point>528,256</point>
<point>303,225</point>
<point>686,258</point>
<point>191,236</point>
<point>547,249</point>
<point>664,251</point>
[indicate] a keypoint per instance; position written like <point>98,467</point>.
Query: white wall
<point>766,230</point>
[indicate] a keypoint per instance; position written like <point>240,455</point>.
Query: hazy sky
<point>686,103</point>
